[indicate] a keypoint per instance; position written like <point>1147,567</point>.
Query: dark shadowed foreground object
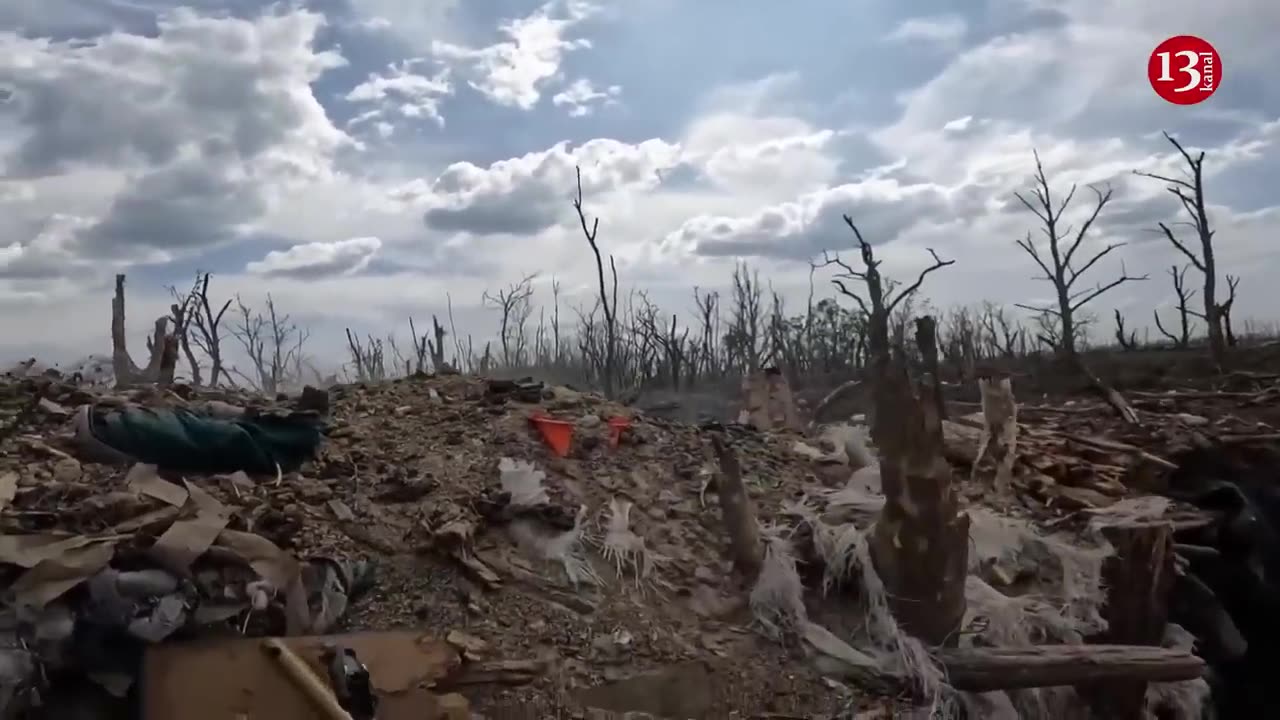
<point>180,440</point>
<point>1228,594</point>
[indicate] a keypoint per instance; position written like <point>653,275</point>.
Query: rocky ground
<point>410,479</point>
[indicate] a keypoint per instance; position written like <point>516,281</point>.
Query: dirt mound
<point>601,578</point>
<point>410,478</point>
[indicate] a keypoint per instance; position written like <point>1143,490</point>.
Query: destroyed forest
<point>871,509</point>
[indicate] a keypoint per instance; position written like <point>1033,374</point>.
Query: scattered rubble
<point>136,522</point>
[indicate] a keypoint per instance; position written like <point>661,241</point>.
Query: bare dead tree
<point>920,542</point>
<point>1060,268</point>
<point>960,339</point>
<point>398,358</point>
<point>1047,329</point>
<point>515,308</point>
<point>272,342</point>
<point>464,359</point>
<point>1127,341</point>
<point>420,347</point>
<point>555,321</point>
<point>1190,193</point>
<point>882,299</point>
<point>608,301</point>
<point>429,347</point>
<point>1184,294</point>
<point>249,330</point>
<point>743,340</point>
<point>1004,334</point>
<point>541,356</point>
<point>208,327</point>
<point>676,345</point>
<point>708,305</point>
<point>368,357</point>
<point>181,313</point>
<point>1224,310</point>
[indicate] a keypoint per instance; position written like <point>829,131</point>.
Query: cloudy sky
<point>362,159</point>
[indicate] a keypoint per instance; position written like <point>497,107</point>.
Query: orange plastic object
<point>616,426</point>
<point>557,433</point>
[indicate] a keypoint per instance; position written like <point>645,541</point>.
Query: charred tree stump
<point>168,360</point>
<point>920,543</point>
<point>927,342</point>
<point>1138,579</point>
<point>121,363</point>
<point>162,346</point>
<point>738,512</point>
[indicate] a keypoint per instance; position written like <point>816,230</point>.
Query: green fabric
<point>180,440</point>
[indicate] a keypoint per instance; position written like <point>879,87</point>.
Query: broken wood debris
<point>987,669</point>
<point>359,487</point>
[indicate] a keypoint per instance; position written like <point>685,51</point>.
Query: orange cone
<point>557,433</point>
<point>616,426</point>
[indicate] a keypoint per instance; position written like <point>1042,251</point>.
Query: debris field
<point>599,579</point>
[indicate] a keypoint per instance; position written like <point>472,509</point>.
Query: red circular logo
<point>1184,70</point>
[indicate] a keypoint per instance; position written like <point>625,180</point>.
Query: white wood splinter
<point>999,420</point>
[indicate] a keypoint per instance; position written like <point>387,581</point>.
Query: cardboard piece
<point>235,679</point>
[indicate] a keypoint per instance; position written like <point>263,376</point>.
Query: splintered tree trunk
<point>920,544</point>
<point>1139,578</point>
<point>159,342</point>
<point>121,363</point>
<point>163,347</point>
<point>739,513</point>
<point>167,360</point>
<point>927,342</point>
<point>437,350</point>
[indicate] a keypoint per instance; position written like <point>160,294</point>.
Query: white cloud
<point>958,125</point>
<point>804,227</point>
<point>941,29</point>
<point>400,91</point>
<point>792,161</point>
<point>528,194</point>
<point>222,139</point>
<point>581,97</point>
<point>133,100</point>
<point>149,147</point>
<point>415,23</point>
<point>512,72</point>
<point>319,259</point>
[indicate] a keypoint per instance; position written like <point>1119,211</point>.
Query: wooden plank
<point>984,669</point>
<point>234,679</point>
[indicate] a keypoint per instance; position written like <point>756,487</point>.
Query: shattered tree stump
<point>927,341</point>
<point>739,513</point>
<point>162,345</point>
<point>920,543</point>
<point>1138,579</point>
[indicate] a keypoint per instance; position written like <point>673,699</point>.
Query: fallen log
<point>494,672</point>
<point>1245,439</point>
<point>838,404</point>
<point>1108,394</point>
<point>986,669</point>
<point>1106,444</point>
